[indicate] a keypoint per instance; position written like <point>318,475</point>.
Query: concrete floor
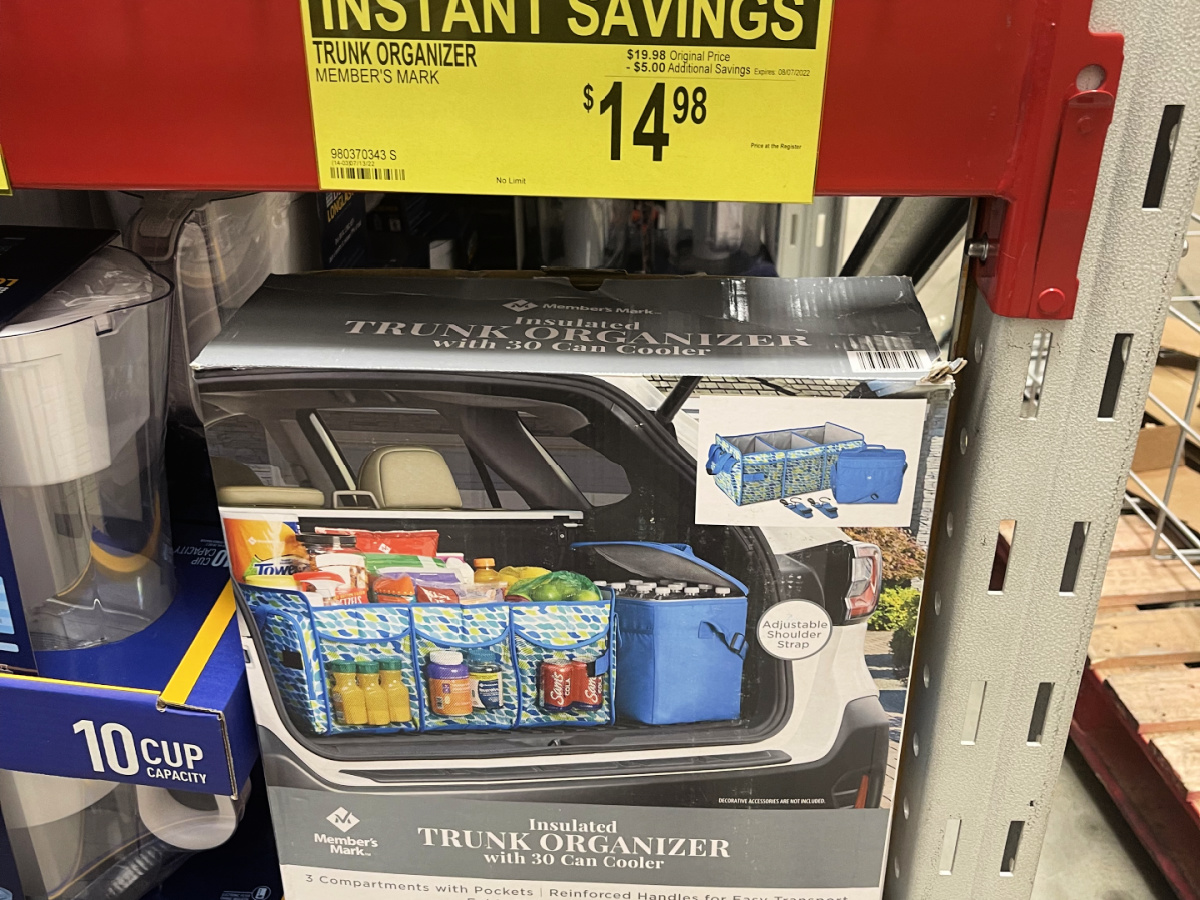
<point>1090,853</point>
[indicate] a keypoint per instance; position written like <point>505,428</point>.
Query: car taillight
<point>866,572</point>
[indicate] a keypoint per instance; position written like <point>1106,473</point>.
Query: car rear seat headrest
<point>268,495</point>
<point>407,477</point>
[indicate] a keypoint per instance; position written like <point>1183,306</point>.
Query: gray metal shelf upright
<point>994,681</point>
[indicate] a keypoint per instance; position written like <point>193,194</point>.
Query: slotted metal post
<point>994,682</point>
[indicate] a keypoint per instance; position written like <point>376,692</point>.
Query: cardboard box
<point>714,734</point>
<point>175,692</point>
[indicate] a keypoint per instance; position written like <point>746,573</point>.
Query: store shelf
<point>211,94</point>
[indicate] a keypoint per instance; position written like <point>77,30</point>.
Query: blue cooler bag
<point>870,474</point>
<point>680,659</point>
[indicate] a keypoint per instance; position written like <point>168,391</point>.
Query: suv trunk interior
<point>581,428</point>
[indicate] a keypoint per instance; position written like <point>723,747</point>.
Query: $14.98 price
<point>689,108</point>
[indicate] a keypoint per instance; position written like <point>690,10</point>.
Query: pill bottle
<point>487,679</point>
<point>449,683</point>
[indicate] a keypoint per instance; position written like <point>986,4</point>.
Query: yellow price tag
<point>668,99</point>
<point>5,181</point>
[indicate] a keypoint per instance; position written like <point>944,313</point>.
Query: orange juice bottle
<point>485,572</point>
<point>347,698</point>
<point>376,696</point>
<point>391,674</point>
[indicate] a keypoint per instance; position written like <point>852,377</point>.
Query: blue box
<point>175,693</point>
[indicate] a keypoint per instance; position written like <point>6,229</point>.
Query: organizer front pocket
<point>564,661</point>
<point>380,634</point>
<point>479,637</point>
<point>291,652</point>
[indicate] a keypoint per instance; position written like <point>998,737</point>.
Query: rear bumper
<point>850,774</point>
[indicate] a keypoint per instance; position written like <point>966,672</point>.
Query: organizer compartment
<point>681,660</point>
<point>579,630</point>
<point>290,641</point>
<point>833,440</point>
<point>367,634</point>
<point>768,465</point>
<point>464,628</point>
<point>747,468</point>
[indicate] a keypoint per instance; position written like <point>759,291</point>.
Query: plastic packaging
<point>412,543</point>
<point>82,428</point>
<point>77,839</point>
<point>218,249</point>
<point>555,586</point>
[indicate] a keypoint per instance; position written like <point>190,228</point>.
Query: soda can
<point>589,687</point>
<point>557,691</point>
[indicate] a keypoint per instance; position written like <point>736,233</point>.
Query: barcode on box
<point>871,361</point>
<point>366,173</point>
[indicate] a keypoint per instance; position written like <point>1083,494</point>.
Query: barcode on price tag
<point>366,173</point>
<point>877,361</point>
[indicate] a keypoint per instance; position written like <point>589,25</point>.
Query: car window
<point>357,432</point>
<point>248,452</point>
<point>598,478</point>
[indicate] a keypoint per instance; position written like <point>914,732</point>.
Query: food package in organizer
<point>415,543</point>
<point>265,547</point>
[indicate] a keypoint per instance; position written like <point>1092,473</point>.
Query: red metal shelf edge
<point>923,97</point>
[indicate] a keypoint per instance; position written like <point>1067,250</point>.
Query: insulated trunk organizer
<point>754,468</point>
<point>543,663</point>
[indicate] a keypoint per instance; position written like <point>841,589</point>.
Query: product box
<point>696,510</point>
<point>121,675</point>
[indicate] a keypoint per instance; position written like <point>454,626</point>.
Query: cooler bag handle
<point>737,643</point>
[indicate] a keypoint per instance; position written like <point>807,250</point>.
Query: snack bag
<point>553,587</point>
<point>394,589</point>
<point>432,593</point>
<point>415,543</point>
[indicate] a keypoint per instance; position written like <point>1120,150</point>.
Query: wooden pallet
<point>1137,718</point>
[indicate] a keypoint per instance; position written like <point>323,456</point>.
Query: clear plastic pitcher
<point>83,381</point>
<point>78,839</point>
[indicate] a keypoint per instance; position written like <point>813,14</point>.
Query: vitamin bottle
<point>376,696</point>
<point>449,683</point>
<point>391,674</point>
<point>487,679</point>
<point>348,700</point>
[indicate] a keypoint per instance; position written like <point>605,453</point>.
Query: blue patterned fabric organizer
<point>284,621</point>
<point>581,630</point>
<point>451,627</point>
